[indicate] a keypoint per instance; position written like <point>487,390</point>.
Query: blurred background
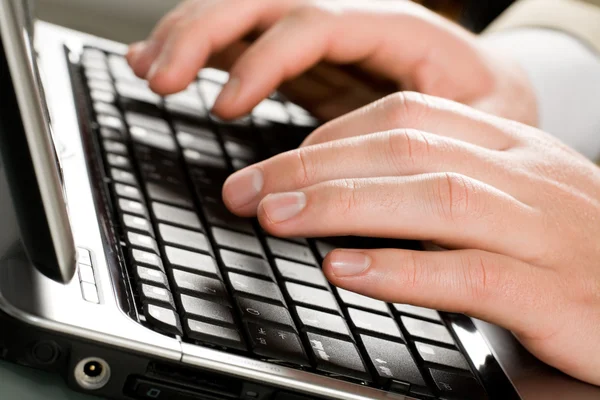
<point>131,20</point>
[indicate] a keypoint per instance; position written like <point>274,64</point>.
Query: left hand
<point>519,209</point>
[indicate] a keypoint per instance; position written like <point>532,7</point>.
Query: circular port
<point>92,373</point>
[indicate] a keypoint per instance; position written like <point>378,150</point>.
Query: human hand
<point>331,57</point>
<point>519,209</point>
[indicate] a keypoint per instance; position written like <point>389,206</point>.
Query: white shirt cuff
<point>565,75</point>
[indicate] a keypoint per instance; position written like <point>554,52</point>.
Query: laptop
<point>121,269</point>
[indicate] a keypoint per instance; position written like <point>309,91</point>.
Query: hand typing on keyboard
<point>381,45</point>
<point>518,208</point>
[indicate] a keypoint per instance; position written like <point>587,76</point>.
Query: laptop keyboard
<point>206,276</point>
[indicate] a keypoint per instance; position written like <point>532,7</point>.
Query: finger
<point>208,30</point>
<point>484,285</point>
<point>449,209</point>
<point>417,111</point>
<point>384,154</point>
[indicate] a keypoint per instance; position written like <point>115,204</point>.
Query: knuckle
<point>407,149</point>
<point>453,196</point>
<point>406,109</point>
<point>305,171</point>
<point>348,198</point>
<point>477,276</point>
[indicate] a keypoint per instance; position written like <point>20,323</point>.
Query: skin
<point>516,209</point>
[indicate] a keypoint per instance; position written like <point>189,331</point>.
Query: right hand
<point>330,56</point>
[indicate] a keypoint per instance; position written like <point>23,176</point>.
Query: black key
<point>258,310</point>
<point>100,95</point>
<point>184,238</point>
<point>133,207</point>
<point>110,121</point>
<point>106,108</point>
<point>214,334</point>
<point>112,134</point>
<point>161,169</point>
<point>163,319</point>
<point>200,143</point>
<point>131,192</point>
<point>375,324</point>
<point>208,180</point>
<point>123,176</point>
<point>293,271</point>
<point>255,287</point>
<point>240,150</point>
<point>209,288</point>
<point>175,215</point>
<point>442,356</point>
<point>246,264</point>
<point>195,158</point>
<point>186,103</point>
<point>218,215</point>
<point>112,146</point>
<point>313,319</point>
<point>427,330</point>
<point>360,301</point>
<point>151,276</point>
<point>292,251</point>
<point>392,361</point>
<point>237,241</point>
<point>337,356</point>
<point>311,297</point>
<point>168,193</point>
<point>457,385</point>
<point>297,240</point>
<point>148,259</point>
<point>138,223</point>
<point>153,139</point>
<point>200,129</point>
<point>149,122</point>
<point>239,164</point>
<point>141,241</point>
<point>324,248</point>
<point>419,312</point>
<point>118,161</point>
<point>207,310</point>
<point>158,295</point>
<point>119,175</point>
<point>276,343</point>
<point>190,260</point>
<point>137,92</point>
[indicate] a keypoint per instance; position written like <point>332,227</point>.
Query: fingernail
<point>281,207</point>
<point>229,92</point>
<point>348,263</point>
<point>159,64</point>
<point>243,187</point>
<point>135,50</point>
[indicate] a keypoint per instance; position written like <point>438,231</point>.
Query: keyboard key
<point>258,310</point>
<point>293,271</point>
<point>392,360</point>
<point>119,175</point>
<point>89,292</point>
<point>86,273</point>
<point>131,192</point>
<point>120,68</point>
<point>163,319</point>
<point>137,92</point>
<point>246,264</point>
<point>276,343</point>
<point>110,121</point>
<point>148,259</point>
<point>311,297</point>
<point>153,139</point>
<point>151,276</point>
<point>200,143</point>
<point>118,161</point>
<point>206,310</point>
<point>132,207</point>
<point>138,223</point>
<point>186,103</point>
<point>158,295</point>
<point>198,159</point>
<point>199,129</point>
<point>100,95</point>
<point>313,319</point>
<point>141,241</point>
<point>237,241</point>
<point>442,356</point>
<point>217,214</point>
<point>112,146</point>
<point>112,134</point>
<point>184,238</point>
<point>208,180</point>
<point>293,251</point>
<point>106,108</point>
<point>214,334</point>
<point>271,110</point>
<point>208,92</point>
<point>374,324</point>
<point>190,260</point>
<point>199,285</point>
<point>337,356</point>
<point>360,301</point>
<point>240,150</point>
<point>239,164</point>
<point>168,193</point>
<point>147,121</point>
<point>427,330</point>
<point>420,312</point>
<point>255,287</point>
<point>97,73</point>
<point>215,75</point>
<point>175,215</point>
<point>457,385</point>
<point>97,84</point>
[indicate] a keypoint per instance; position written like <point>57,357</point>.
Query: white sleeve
<point>565,75</point>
